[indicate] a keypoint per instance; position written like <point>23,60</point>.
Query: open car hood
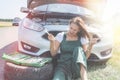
<point>34,3</point>
<point>85,3</point>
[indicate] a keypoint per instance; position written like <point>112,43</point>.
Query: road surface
<point>8,44</point>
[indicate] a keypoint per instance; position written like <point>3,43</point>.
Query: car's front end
<point>54,18</point>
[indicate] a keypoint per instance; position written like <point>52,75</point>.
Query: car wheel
<point>97,63</point>
<point>17,72</point>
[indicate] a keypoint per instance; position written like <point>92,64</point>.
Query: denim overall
<point>71,56</point>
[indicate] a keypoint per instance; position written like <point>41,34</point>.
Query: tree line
<point>7,20</point>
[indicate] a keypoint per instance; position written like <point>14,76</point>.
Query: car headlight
<point>29,24</point>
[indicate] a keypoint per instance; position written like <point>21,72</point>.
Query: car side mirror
<point>24,10</point>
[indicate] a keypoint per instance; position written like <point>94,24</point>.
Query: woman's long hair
<point>80,23</point>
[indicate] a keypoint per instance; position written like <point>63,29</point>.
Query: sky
<point>112,8</point>
<point>11,8</point>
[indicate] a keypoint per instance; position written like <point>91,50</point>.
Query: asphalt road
<point>8,44</point>
<point>8,35</point>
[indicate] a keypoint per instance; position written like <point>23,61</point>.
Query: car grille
<point>45,36</point>
<point>29,48</point>
<point>93,57</point>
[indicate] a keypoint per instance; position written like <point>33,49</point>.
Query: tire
<point>17,72</point>
<point>98,63</point>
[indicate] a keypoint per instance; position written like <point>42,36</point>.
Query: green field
<point>108,71</point>
<point>5,24</point>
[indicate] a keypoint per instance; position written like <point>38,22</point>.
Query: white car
<point>16,21</point>
<point>54,18</point>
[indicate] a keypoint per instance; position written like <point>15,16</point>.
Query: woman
<point>73,51</point>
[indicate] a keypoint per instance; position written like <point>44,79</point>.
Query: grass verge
<point>110,70</point>
<point>5,24</point>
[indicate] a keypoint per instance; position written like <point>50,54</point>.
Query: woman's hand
<point>51,37</point>
<point>93,41</point>
<point>54,44</point>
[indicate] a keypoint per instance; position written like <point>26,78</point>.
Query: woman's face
<point>73,29</point>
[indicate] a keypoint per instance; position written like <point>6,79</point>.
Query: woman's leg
<point>80,65</point>
<point>83,72</point>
